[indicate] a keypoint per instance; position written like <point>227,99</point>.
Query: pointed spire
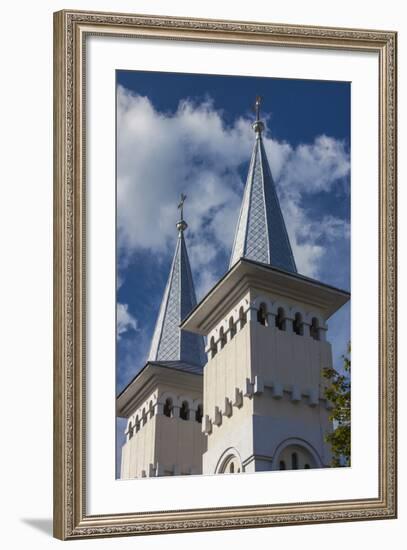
<point>261,234</point>
<point>169,342</point>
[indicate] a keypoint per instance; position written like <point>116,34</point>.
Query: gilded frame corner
<point>70,31</point>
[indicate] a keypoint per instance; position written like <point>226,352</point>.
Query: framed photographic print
<point>225,231</point>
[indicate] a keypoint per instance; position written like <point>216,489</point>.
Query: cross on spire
<point>258,125</point>
<point>257,107</point>
<point>182,224</point>
<point>181,205</point>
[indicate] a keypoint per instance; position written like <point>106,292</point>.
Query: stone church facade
<point>253,399</point>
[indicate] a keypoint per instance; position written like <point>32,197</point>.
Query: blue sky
<point>192,133</point>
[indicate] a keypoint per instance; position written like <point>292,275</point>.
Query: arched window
<point>230,465</point>
<point>232,328</point>
<point>168,407</point>
<point>213,347</point>
<point>314,329</point>
<point>222,338</point>
<point>184,411</point>
<point>297,324</point>
<point>242,317</point>
<point>280,319</point>
<point>144,417</point>
<point>295,457</point>
<point>137,424</point>
<point>262,314</point>
<point>151,409</point>
<point>199,414</point>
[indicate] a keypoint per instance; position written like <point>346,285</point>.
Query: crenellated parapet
<point>293,394</point>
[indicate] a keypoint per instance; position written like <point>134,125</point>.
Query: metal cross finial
<point>181,205</point>
<point>257,125</point>
<point>257,107</point>
<point>182,224</point>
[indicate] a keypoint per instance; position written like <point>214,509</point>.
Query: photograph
<point>233,232</point>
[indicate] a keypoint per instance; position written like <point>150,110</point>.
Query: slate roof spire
<point>261,234</point>
<point>169,343</point>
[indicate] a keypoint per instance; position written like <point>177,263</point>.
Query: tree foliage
<point>338,393</point>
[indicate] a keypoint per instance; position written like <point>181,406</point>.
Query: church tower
<point>164,402</point>
<point>264,405</point>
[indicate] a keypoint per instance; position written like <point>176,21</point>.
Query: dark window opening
<point>168,407</point>
<point>297,324</point>
<point>232,328</point>
<point>280,319</point>
<point>222,338</point>
<point>199,414</point>
<point>184,411</point>
<point>314,329</point>
<point>262,315</point>
<point>214,349</point>
<point>242,317</point>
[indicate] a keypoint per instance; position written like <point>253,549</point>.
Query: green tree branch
<point>338,393</point>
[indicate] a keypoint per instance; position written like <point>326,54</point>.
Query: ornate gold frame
<point>70,31</point>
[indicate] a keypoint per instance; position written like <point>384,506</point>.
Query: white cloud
<point>306,170</point>
<point>309,237</point>
<point>161,156</point>
<point>125,321</point>
<point>315,167</point>
<point>192,151</point>
<point>206,280</point>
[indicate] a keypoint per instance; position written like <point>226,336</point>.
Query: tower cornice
<point>246,274</point>
<point>148,379</point>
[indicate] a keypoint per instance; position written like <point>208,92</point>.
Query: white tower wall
<point>156,444</point>
<point>264,387</point>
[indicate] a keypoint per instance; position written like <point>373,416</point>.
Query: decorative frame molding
<point>70,31</point>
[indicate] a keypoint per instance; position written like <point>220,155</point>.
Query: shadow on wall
<point>40,524</point>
